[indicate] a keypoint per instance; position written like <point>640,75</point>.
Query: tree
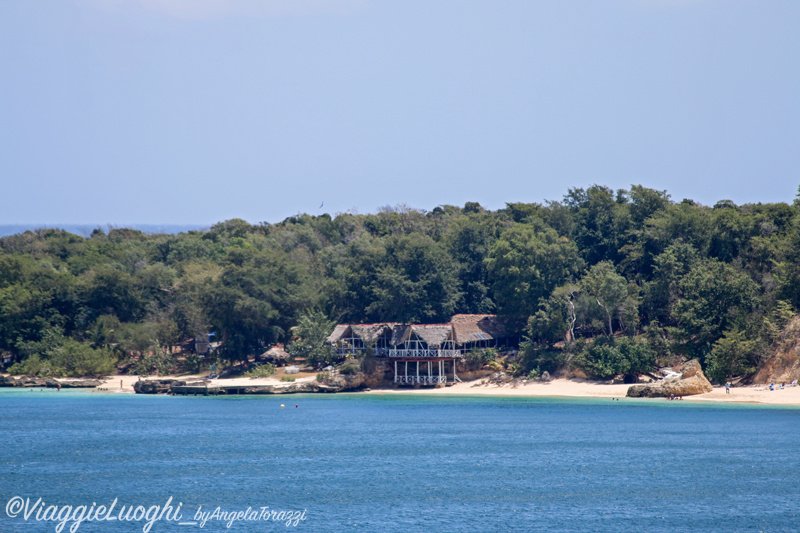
<point>556,317</point>
<point>417,282</point>
<point>468,241</point>
<point>609,290</point>
<point>526,263</point>
<point>715,297</point>
<point>731,356</point>
<point>309,338</point>
<point>605,358</point>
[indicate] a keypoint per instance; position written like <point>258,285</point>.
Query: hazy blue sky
<point>195,111</point>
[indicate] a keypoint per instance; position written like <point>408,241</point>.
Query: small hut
<point>276,355</point>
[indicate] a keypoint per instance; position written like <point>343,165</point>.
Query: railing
<point>392,352</point>
<point>424,353</point>
<point>344,352</point>
<point>425,380</point>
<point>351,350</point>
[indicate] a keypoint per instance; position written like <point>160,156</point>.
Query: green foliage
<point>598,262</point>
<point>715,297</point>
<point>310,337</point>
<point>349,368</point>
<point>477,358</point>
<point>68,358</point>
<point>158,361</point>
<point>732,355</point>
<point>526,263</point>
<point>605,358</point>
<point>261,371</point>
<point>322,376</point>
<point>610,291</point>
<point>290,379</point>
<point>194,362</point>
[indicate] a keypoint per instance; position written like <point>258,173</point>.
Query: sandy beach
<point>585,389</point>
<point>557,388</point>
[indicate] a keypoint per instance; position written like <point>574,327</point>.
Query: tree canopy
<point>709,280</point>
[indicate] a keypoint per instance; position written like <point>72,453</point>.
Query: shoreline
<point>557,388</point>
<point>565,388</point>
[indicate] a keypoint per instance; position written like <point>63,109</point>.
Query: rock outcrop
<point>27,381</point>
<point>342,382</point>
<point>155,386</point>
<point>50,383</point>
<point>79,383</point>
<point>783,364</point>
<point>690,381</point>
<point>338,383</point>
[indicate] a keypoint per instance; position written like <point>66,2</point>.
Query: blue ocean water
<point>402,463</point>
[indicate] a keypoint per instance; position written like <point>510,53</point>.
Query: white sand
<point>587,389</point>
<point>556,388</point>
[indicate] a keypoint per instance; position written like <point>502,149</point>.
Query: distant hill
<point>86,229</point>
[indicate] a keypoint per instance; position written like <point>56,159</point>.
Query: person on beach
<point>728,387</point>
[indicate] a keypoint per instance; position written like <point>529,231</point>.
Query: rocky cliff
<point>783,365</point>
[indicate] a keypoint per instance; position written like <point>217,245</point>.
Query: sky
<point>198,111</point>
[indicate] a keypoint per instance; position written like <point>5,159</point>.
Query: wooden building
<point>419,353</point>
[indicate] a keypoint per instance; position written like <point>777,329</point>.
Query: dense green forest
<point>605,281</point>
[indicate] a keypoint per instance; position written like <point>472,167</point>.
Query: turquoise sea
<point>397,463</point>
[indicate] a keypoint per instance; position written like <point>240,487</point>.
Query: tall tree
<point>525,264</point>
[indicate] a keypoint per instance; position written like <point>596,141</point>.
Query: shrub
<point>160,362</point>
<point>322,376</point>
<point>288,378</point>
<point>261,371</point>
<point>605,358</point>
<point>479,358</point>
<point>71,358</point>
<point>349,368</point>
<point>194,362</point>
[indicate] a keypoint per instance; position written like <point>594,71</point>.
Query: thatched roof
<point>338,332</point>
<point>434,334</point>
<point>463,329</point>
<point>275,353</point>
<point>474,328</point>
<point>369,333</point>
<point>400,332</point>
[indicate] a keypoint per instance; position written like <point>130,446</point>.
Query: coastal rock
<point>691,381</point>
<point>78,383</point>
<point>342,382</point>
<point>155,386</point>
<point>194,389</point>
<point>50,383</point>
<point>27,382</point>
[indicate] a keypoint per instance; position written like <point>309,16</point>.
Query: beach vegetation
<point>308,339</point>
<point>349,368</point>
<point>480,357</point>
<point>261,371</point>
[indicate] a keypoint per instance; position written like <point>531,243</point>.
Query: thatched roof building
<point>477,328</point>
<point>276,353</point>
<point>462,330</point>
